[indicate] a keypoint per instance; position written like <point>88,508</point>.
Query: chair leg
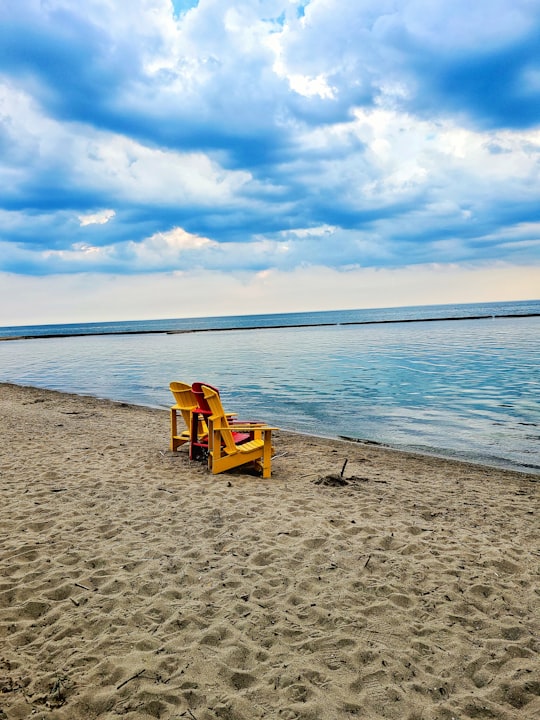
<point>267,455</point>
<point>174,431</point>
<point>213,442</point>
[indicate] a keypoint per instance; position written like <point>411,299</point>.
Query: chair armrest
<point>249,427</point>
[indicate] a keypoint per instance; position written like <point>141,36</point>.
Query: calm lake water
<point>464,388</point>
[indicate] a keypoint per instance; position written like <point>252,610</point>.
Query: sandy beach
<point>134,584</point>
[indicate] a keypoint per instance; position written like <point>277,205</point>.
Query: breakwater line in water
<point>182,331</point>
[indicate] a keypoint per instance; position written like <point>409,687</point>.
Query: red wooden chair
<point>203,410</point>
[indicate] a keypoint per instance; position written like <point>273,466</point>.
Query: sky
<point>175,158</point>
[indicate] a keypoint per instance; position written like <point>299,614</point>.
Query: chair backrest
<point>197,388</point>
<point>213,400</point>
<point>185,399</point>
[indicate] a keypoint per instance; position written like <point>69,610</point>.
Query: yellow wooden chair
<point>186,402</point>
<point>224,453</point>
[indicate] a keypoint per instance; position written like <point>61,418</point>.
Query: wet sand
<point>135,584</point>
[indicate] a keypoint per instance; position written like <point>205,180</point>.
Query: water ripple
<point>467,388</point>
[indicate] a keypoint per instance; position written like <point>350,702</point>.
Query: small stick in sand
<point>133,677</point>
<point>344,466</point>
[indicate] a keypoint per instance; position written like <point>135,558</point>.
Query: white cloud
<point>161,251</point>
<point>179,239</point>
<point>462,24</point>
<point>131,171</point>
<point>82,157</point>
<point>99,218</point>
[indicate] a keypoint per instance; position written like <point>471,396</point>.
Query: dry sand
<point>136,585</point>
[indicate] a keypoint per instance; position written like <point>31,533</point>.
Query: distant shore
<point>44,336</point>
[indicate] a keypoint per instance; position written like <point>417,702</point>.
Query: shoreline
<point>482,462</point>
<point>265,327</point>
